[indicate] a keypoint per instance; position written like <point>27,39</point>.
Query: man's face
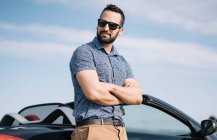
<point>106,34</point>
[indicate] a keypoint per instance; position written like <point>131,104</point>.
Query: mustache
<point>105,32</point>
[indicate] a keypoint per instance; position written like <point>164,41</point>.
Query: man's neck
<point>108,48</point>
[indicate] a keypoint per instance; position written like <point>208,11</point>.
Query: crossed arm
<point>107,93</point>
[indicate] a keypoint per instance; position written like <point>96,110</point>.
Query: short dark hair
<point>114,8</point>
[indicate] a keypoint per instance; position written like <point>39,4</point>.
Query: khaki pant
<point>99,132</point>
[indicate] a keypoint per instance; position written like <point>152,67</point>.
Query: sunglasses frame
<point>112,25</point>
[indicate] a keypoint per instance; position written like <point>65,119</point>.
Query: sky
<point>171,46</point>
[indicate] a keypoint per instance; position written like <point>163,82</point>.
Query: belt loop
<point>123,124</point>
<point>102,123</point>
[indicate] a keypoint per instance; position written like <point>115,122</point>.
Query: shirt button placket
<point>113,68</point>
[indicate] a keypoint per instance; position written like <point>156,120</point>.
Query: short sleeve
<point>129,71</point>
<point>82,59</point>
<point>128,68</point>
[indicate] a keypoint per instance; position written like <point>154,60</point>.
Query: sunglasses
<point>112,25</point>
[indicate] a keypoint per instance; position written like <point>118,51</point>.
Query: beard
<point>106,40</point>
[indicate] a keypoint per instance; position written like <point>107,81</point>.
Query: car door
<point>146,122</point>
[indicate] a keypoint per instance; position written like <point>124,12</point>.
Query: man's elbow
<point>139,101</point>
<point>139,98</point>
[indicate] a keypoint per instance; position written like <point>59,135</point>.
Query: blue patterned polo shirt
<point>111,68</point>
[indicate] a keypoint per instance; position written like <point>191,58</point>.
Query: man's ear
<point>121,31</point>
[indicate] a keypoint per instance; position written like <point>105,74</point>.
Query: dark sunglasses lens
<point>102,23</point>
<point>113,26</point>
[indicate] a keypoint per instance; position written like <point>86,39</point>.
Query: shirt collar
<point>98,46</point>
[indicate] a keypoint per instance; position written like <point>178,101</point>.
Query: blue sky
<point>171,46</point>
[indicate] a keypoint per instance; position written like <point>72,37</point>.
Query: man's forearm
<point>128,95</point>
<point>103,97</point>
<point>94,90</point>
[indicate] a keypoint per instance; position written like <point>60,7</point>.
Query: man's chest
<point>111,68</point>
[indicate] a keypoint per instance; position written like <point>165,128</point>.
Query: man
<point>103,81</point>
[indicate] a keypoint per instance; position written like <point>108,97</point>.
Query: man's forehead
<point>111,16</point>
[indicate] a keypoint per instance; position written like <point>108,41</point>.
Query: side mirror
<point>208,127</point>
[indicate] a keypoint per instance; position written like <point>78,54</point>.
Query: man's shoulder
<point>83,51</point>
<point>85,47</point>
<point>121,57</point>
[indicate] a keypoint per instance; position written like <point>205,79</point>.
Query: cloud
<point>142,49</point>
<point>34,49</point>
<point>81,4</point>
<point>195,15</point>
<point>167,52</point>
<point>52,32</point>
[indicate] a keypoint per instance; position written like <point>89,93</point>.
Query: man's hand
<point>130,83</point>
<point>129,93</point>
